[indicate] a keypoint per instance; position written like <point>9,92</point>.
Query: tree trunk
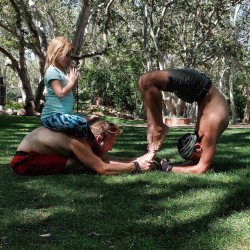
<point>181,108</point>
<point>39,100</point>
<point>231,96</point>
<point>247,108</point>
<point>20,66</point>
<point>40,48</point>
<point>28,101</point>
<point>81,25</point>
<point>145,37</point>
<point>232,67</point>
<point>2,93</point>
<point>2,90</point>
<point>168,100</point>
<point>221,74</point>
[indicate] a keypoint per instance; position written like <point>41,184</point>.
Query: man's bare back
<point>45,141</point>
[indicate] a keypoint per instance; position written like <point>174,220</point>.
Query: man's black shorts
<point>188,84</point>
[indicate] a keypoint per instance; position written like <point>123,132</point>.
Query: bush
<point>13,105</point>
<point>115,82</point>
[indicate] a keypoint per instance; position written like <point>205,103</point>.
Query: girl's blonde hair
<point>58,47</point>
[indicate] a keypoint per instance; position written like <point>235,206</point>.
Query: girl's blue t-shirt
<point>53,103</point>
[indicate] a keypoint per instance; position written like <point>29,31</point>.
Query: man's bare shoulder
<point>39,130</point>
<point>42,131</point>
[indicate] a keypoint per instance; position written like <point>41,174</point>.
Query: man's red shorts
<point>33,163</point>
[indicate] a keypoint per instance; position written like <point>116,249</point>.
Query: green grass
<point>146,211</point>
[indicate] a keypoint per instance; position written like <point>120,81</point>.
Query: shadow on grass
<point>233,151</point>
<point>148,211</point>
<point>123,212</point>
<point>8,121</point>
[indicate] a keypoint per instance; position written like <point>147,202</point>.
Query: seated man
<point>44,151</point>
<point>190,86</point>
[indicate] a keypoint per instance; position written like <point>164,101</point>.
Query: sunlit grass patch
<point>154,210</point>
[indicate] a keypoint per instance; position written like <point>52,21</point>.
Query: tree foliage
<point>116,41</point>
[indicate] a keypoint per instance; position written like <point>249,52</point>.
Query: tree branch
<point>91,54</point>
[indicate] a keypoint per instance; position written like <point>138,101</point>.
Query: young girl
<point>58,113</point>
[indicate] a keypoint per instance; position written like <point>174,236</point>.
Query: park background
<point>116,42</point>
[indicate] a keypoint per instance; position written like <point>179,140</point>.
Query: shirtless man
<point>212,119</point>
<point>44,151</point>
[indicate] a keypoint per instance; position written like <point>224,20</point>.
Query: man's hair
<point>186,145</point>
<point>104,128</point>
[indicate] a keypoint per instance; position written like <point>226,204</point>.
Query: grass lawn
<point>148,211</point>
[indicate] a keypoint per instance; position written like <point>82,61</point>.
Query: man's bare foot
<point>156,136</point>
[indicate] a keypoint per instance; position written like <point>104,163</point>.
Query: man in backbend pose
<point>212,119</point>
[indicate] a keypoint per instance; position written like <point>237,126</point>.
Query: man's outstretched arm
<point>107,165</point>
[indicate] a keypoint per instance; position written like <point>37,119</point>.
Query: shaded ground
<point>239,125</point>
